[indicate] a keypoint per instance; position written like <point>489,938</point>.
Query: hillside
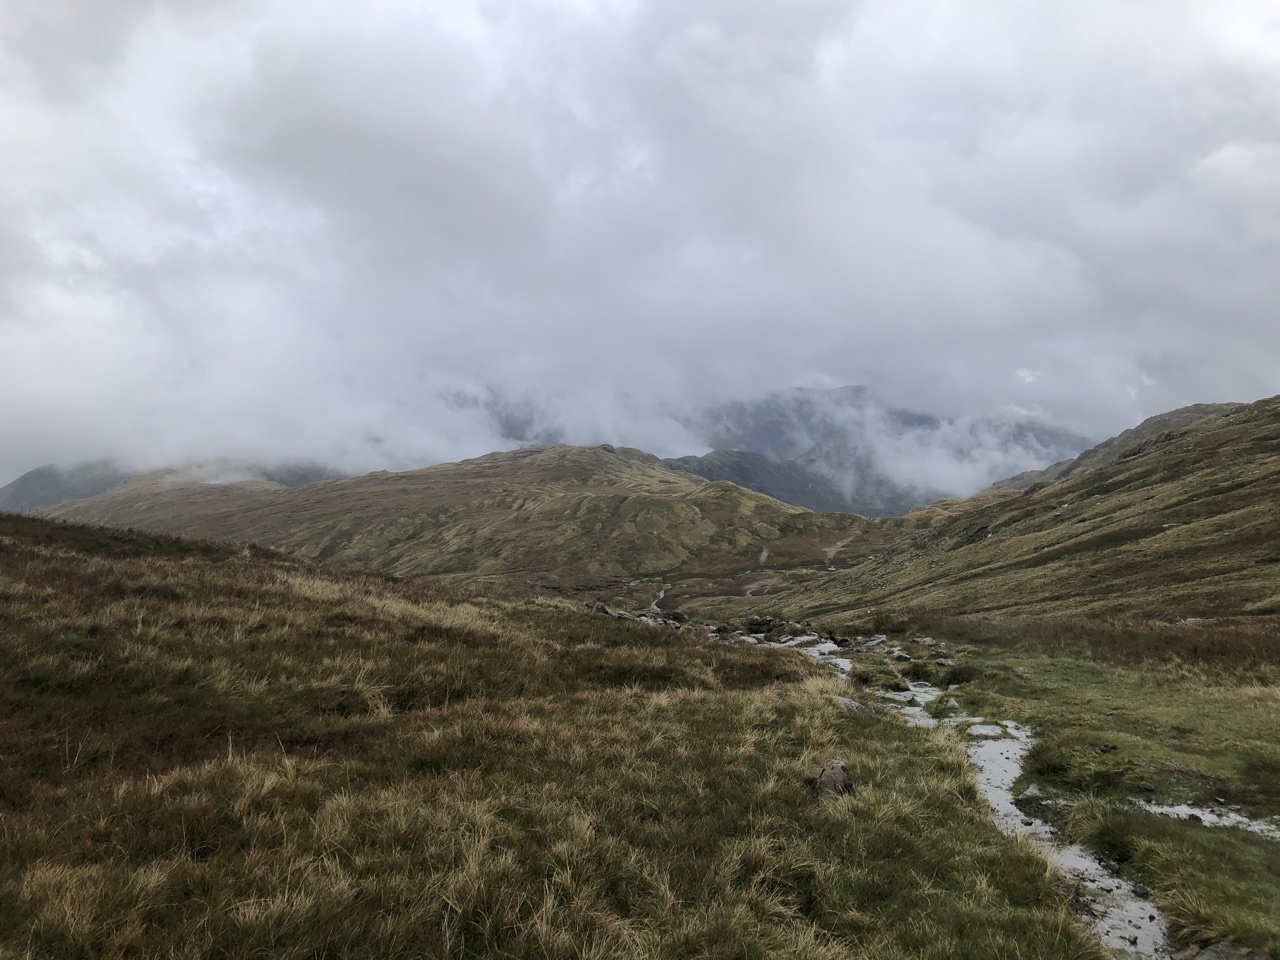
<point>558,516</point>
<point>784,480</point>
<point>48,485</point>
<point>1186,526</point>
<point>216,752</point>
<point>1123,445</point>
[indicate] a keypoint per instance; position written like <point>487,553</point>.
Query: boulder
<point>835,779</point>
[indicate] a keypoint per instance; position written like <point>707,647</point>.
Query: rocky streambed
<point>1119,912</point>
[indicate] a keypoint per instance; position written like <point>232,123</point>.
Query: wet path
<point>1120,918</point>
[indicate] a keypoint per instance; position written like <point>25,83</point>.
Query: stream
<point>1119,917</point>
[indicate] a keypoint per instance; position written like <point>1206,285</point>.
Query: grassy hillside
<point>1123,445</point>
<point>571,516</point>
<point>215,752</point>
<point>1187,526</point>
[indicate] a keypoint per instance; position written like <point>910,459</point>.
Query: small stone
<point>1147,787</point>
<point>835,780</point>
<point>945,662</point>
<point>1139,890</point>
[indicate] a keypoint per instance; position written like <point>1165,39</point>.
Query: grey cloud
<point>253,229</point>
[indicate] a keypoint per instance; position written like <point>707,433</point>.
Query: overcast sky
<point>332,230</point>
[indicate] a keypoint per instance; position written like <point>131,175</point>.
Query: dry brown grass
<point>213,754</point>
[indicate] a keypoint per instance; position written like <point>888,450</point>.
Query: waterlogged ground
<point>1216,863</point>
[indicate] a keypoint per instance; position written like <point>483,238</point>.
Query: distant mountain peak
<point>844,449</point>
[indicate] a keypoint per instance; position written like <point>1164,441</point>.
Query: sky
<point>350,232</point>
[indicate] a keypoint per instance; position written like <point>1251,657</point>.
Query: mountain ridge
<point>579,518</point>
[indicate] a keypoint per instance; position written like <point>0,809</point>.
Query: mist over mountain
<point>53,484</point>
<point>841,449</point>
<point>862,455</point>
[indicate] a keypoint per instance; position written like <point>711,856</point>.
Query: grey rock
<point>1146,787</point>
<point>853,706</point>
<point>1141,890</point>
<point>945,662</point>
<point>835,780</point>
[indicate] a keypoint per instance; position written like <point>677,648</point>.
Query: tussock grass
<point>1182,863</point>
<point>209,752</point>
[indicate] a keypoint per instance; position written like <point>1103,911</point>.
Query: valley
<point>352,652</point>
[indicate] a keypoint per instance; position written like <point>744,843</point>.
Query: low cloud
<point>397,234</point>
